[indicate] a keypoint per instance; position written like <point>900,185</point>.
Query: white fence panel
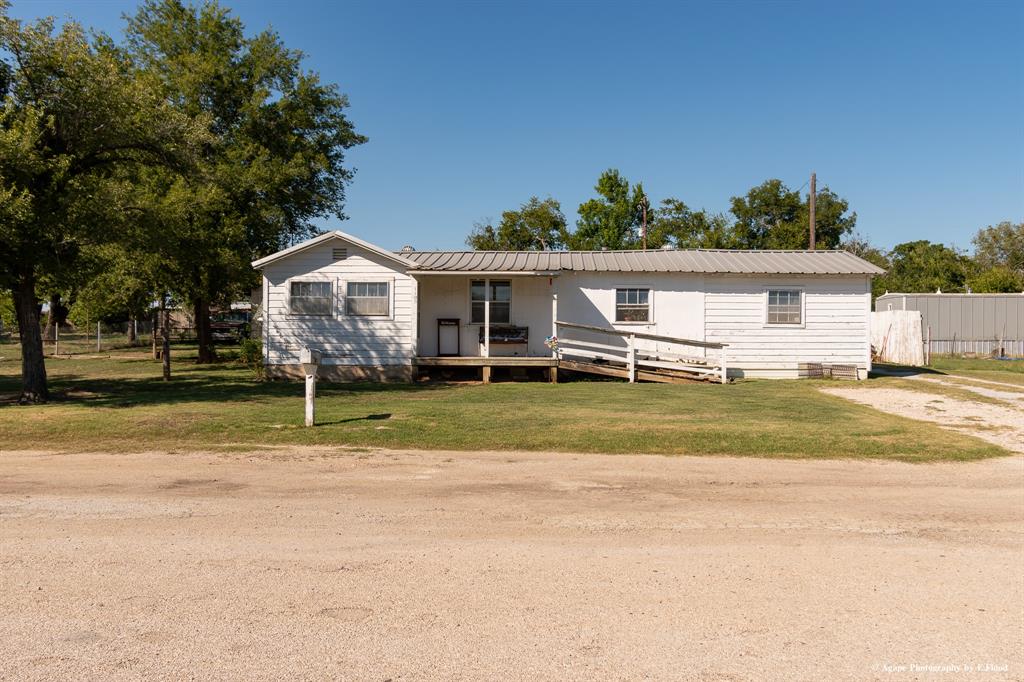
<point>896,337</point>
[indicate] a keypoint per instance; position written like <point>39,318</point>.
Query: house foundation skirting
<point>344,373</point>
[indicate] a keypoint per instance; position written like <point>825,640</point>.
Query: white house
<point>379,314</point>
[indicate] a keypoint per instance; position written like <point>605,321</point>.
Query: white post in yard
<point>725,370</point>
<point>56,338</point>
<point>97,337</point>
<point>310,360</point>
<point>631,358</point>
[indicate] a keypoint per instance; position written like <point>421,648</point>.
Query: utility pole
<point>810,200</point>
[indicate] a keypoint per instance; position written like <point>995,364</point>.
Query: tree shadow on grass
<point>888,370</point>
<point>369,417</point>
<point>200,384</point>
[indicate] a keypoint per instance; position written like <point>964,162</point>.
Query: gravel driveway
<point>999,420</point>
<point>411,566</point>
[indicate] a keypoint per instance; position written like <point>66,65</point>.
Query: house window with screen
<point>501,301</point>
<point>368,299</point>
<point>632,305</point>
<point>784,306</point>
<point>310,298</point>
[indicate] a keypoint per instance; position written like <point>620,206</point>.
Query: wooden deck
<point>493,361</point>
<point>485,364</point>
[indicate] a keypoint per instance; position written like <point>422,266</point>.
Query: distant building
<point>983,324</point>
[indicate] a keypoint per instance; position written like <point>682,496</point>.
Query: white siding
<point>676,300</point>
<point>834,330</point>
<point>718,308</point>
<point>344,340</point>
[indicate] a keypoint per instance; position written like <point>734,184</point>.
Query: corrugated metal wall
<point>964,317</point>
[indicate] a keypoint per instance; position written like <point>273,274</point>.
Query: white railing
<point>639,350</point>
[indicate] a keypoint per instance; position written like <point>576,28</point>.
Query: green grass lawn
<point>120,404</point>
<point>1006,371</point>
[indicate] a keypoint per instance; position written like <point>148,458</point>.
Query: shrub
<point>250,354</point>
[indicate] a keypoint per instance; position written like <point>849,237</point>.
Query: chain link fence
<point>101,337</point>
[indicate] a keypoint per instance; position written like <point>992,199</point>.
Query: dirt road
<point>413,566</point>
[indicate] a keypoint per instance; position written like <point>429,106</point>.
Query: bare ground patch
<point>1000,422</point>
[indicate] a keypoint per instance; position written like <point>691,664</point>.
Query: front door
<point>448,337</point>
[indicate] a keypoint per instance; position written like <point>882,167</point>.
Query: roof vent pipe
<point>407,249</point>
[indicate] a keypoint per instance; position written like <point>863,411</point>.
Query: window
<point>632,305</point>
<point>501,301</point>
<point>310,298</point>
<point>368,299</point>
<point>784,307</point>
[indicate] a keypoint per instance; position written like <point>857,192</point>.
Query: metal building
<point>966,323</point>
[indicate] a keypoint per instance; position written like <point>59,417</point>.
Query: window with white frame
<point>784,307</point>
<point>368,299</point>
<point>632,305</point>
<point>310,298</point>
<point>501,300</point>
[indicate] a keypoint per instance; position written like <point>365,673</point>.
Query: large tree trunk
<point>201,309</point>
<point>33,364</point>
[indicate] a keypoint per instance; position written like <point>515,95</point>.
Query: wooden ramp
<point>663,376</point>
<point>638,356</point>
<point>603,351</point>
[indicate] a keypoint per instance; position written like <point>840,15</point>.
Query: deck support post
<point>631,358</point>
<point>725,371</point>
<point>487,326</point>
<point>554,316</point>
<point>553,374</point>
<point>485,374</point>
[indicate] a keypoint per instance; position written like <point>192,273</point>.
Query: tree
<point>613,220</point>
<point>1002,246</point>
<point>535,226</point>
<point>277,160</point>
<point>861,247</point>
<point>74,118</point>
<point>121,285</point>
<point>676,224</point>
<point>771,216</point>
<point>924,267</point>
<point>7,318</point>
<point>997,280</point>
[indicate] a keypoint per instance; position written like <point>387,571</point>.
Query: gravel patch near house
<point>1015,388</point>
<point>321,563</point>
<point>1014,396</point>
<point>998,423</point>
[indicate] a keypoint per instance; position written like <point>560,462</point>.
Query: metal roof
<point>721,261</point>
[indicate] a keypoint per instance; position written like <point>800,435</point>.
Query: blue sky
<point>912,112</point>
